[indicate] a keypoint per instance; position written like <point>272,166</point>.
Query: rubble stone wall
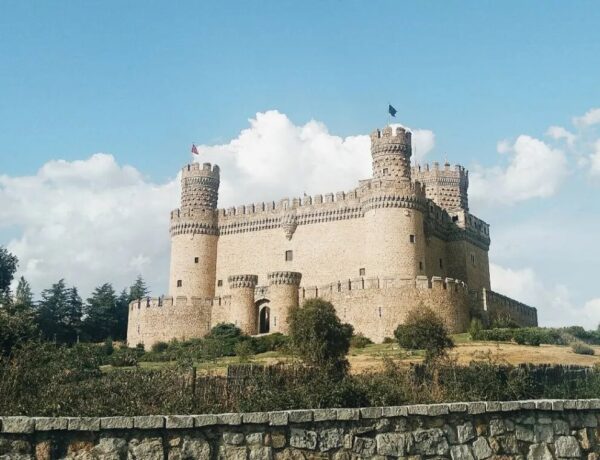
<point>542,429</point>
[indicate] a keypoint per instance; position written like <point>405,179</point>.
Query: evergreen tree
<point>23,297</point>
<point>122,315</point>
<point>100,319</point>
<point>8,266</point>
<point>73,314</point>
<point>138,290</point>
<point>59,313</point>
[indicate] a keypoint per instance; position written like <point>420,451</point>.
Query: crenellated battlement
<point>200,170</point>
<point>242,281</point>
<point>284,277</point>
<point>391,141</point>
<point>447,186</point>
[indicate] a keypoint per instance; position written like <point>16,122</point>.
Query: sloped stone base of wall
<point>548,429</point>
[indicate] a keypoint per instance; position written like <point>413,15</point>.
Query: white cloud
<point>88,221</point>
<point>275,158</point>
<point>558,133</point>
<point>591,117</point>
<point>595,160</point>
<point>553,301</point>
<point>534,170</point>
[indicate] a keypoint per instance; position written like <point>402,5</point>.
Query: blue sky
<point>140,81</point>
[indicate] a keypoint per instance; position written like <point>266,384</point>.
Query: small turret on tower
<point>391,150</point>
<point>446,186</point>
<point>199,186</point>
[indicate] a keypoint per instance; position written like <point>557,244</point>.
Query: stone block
<point>476,408</point>
<point>255,438</point>
<point>370,412</point>
<point>300,416</point>
<point>229,419</point>
<point>260,453</point>
<point>205,420</point>
<point>558,405</point>
<point>330,438</point>
<point>83,424</point>
<point>179,421</point>
<point>481,448</point>
<point>527,405</point>
<point>465,432</point>
<point>524,433</point>
<point>570,404</point>
<point>437,409</point>
<point>431,442</point>
<point>510,406</point>
<point>278,418</point>
<point>234,439</point>
<point>394,411</point>
<point>116,423</point>
<point>196,448</point>
<point>255,417</point>
<point>394,444</point>
<point>567,446</point>
<point>461,453</point>
<point>418,409</point>
<point>17,424</point>
<point>493,406</point>
<point>303,439</point>
<point>496,427</point>
<point>50,423</point>
<point>539,452</point>
<point>148,422</point>
<point>347,414</point>
<point>543,405</point>
<point>365,447</point>
<point>321,415</point>
<point>458,407</point>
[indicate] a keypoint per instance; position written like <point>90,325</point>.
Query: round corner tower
<point>194,233</point>
<point>393,206</point>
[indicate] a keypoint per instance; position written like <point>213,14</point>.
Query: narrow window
<point>473,259</point>
<point>361,272</point>
<point>289,255</point>
<point>412,238</point>
<point>380,312</point>
<point>179,283</point>
<point>441,263</point>
<point>196,260</point>
<point>421,266</point>
<point>385,170</point>
<point>219,283</point>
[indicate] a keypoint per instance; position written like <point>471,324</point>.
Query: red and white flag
<point>195,150</point>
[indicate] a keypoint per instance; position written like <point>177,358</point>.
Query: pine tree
<point>23,297</point>
<point>138,290</point>
<point>73,314</point>
<point>100,311</point>
<point>122,314</point>
<point>8,267</point>
<point>50,312</point>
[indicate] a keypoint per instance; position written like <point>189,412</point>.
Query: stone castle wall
<point>514,430</point>
<point>496,305</point>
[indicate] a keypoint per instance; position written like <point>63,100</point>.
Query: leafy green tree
<point>100,313</point>
<point>138,290</point>
<point>59,313</point>
<point>424,330</point>
<point>122,312</point>
<point>23,296</point>
<point>8,267</point>
<point>319,337</point>
<point>16,329</point>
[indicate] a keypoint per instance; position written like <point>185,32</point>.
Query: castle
<point>402,239</point>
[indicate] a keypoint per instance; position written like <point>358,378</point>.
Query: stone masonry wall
<point>532,430</point>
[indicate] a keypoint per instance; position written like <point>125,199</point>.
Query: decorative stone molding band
<point>283,277</point>
<point>193,228</point>
<point>242,281</point>
<point>394,201</point>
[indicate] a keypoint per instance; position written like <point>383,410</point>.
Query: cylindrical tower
<point>243,312</point>
<point>194,233</point>
<point>283,295</point>
<point>393,207</point>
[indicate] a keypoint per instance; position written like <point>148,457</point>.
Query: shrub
<point>582,349</point>
<point>221,340</point>
<point>271,342</point>
<point>360,341</point>
<point>124,357</point>
<point>475,328</point>
<point>319,337</point>
<point>160,347</point>
<point>388,340</point>
<point>424,330</point>
<point>244,351</point>
<point>107,347</point>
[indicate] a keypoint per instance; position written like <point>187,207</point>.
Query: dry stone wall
<point>519,430</point>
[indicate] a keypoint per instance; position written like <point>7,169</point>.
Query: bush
<point>360,341</point>
<point>124,357</point>
<point>221,341</point>
<point>160,347</point>
<point>388,340</point>
<point>582,349</point>
<point>271,342</point>
<point>107,347</point>
<point>319,337</point>
<point>475,328</point>
<point>244,351</point>
<point>424,330</point>
<point>524,336</point>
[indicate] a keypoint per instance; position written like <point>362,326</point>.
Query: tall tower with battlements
<point>393,207</point>
<point>446,186</point>
<point>194,233</point>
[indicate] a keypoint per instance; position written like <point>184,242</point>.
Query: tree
<point>16,328</point>
<point>424,330</point>
<point>8,267</point>
<point>122,313</point>
<point>23,296</point>
<point>138,290</point>
<point>59,313</point>
<point>100,311</point>
<point>319,337</point>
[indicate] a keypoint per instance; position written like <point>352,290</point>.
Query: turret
<point>393,208</point>
<point>243,312</point>
<point>194,233</point>
<point>446,186</point>
<point>283,294</point>
<point>391,151</point>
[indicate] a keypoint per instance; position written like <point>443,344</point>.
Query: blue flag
<point>391,110</point>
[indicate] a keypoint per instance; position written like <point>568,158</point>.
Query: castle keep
<point>401,239</point>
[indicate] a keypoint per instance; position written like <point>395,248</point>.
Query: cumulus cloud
<point>591,117</point>
<point>595,160</point>
<point>274,158</point>
<point>88,221</point>
<point>534,170</point>
<point>553,302</point>
<point>558,133</point>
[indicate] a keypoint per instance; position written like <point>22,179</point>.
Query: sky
<point>101,100</point>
